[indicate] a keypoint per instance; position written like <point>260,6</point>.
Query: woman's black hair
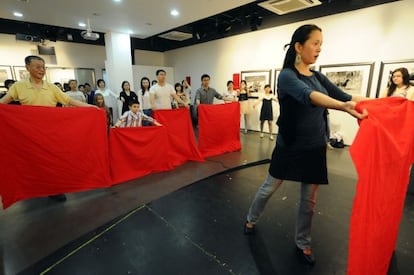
<point>122,85</point>
<point>142,85</point>
<point>178,85</point>
<point>228,82</point>
<point>406,80</point>
<point>301,35</point>
<point>99,81</point>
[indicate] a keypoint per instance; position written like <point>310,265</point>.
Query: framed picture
<point>276,75</point>
<point>353,78</point>
<point>387,67</point>
<point>256,80</point>
<point>20,73</point>
<point>5,73</point>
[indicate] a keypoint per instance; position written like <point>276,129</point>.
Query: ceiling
<point>205,20</point>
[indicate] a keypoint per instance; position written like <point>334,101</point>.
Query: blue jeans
<point>306,208</point>
<point>147,112</point>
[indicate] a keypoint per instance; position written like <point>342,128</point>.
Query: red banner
<point>136,152</point>
<point>180,135</point>
<point>46,151</point>
<point>219,128</point>
<point>383,152</point>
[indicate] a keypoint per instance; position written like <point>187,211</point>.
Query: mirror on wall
<point>63,75</point>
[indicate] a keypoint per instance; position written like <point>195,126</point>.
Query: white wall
<point>149,58</point>
<point>376,34</point>
<point>74,55</point>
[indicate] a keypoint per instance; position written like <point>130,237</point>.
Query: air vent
<point>287,6</point>
<point>177,36</point>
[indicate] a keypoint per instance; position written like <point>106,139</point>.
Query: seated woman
<point>400,85</point>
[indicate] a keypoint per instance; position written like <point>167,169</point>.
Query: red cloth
<point>383,151</point>
<point>136,152</point>
<point>180,135</point>
<point>219,128</point>
<point>47,150</point>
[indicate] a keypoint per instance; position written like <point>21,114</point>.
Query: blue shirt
<point>301,124</point>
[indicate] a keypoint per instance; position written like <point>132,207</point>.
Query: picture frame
<point>5,73</point>
<point>256,80</point>
<point>352,78</point>
<point>20,73</point>
<point>386,69</point>
<point>276,76</point>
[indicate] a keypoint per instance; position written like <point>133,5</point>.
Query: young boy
<point>134,117</point>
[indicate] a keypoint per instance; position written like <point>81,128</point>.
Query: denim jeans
<point>305,213</point>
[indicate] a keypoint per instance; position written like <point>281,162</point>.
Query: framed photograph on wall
<point>256,80</point>
<point>5,73</point>
<point>353,78</point>
<point>276,76</point>
<point>20,73</point>
<point>386,69</point>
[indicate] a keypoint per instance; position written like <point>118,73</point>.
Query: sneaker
<point>271,137</point>
<point>249,230</point>
<point>261,135</point>
<point>245,131</point>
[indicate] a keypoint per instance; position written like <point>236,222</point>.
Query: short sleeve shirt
<point>49,95</point>
<point>163,95</point>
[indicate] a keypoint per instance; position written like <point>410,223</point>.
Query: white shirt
<point>163,95</point>
<point>76,95</point>
<point>232,95</point>
<point>144,100</point>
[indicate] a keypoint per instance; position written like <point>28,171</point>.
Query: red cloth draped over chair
<point>219,128</point>
<point>136,152</point>
<point>46,151</point>
<point>383,152</point>
<point>181,137</point>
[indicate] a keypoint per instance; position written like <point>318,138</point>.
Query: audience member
<point>400,85</point>
<point>99,101</point>
<point>74,93</point>
<point>110,98</point>
<point>162,94</point>
<point>127,95</point>
<point>266,112</point>
<point>231,94</point>
<point>182,95</point>
<point>244,94</point>
<point>89,93</point>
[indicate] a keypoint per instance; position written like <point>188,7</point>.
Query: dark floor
<point>151,226</point>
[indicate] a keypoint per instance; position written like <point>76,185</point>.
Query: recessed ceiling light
<point>117,1</point>
<point>81,24</point>
<point>174,12</point>
<point>18,14</point>
<point>130,32</point>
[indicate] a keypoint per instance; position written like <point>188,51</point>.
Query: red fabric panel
<point>136,152</point>
<point>219,128</point>
<point>180,135</point>
<point>236,81</point>
<point>383,151</point>
<point>47,150</point>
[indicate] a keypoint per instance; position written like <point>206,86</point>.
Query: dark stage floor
<point>193,230</point>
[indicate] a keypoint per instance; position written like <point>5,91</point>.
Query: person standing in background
<point>126,96</point>
<point>162,94</point>
<point>244,102</point>
<point>89,93</point>
<point>74,93</point>
<point>231,93</point>
<point>110,98</point>
<point>181,94</point>
<point>144,98</point>
<point>266,112</point>
<point>400,85</point>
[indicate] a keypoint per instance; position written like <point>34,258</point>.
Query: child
<point>134,117</point>
<point>99,101</point>
<point>266,112</point>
